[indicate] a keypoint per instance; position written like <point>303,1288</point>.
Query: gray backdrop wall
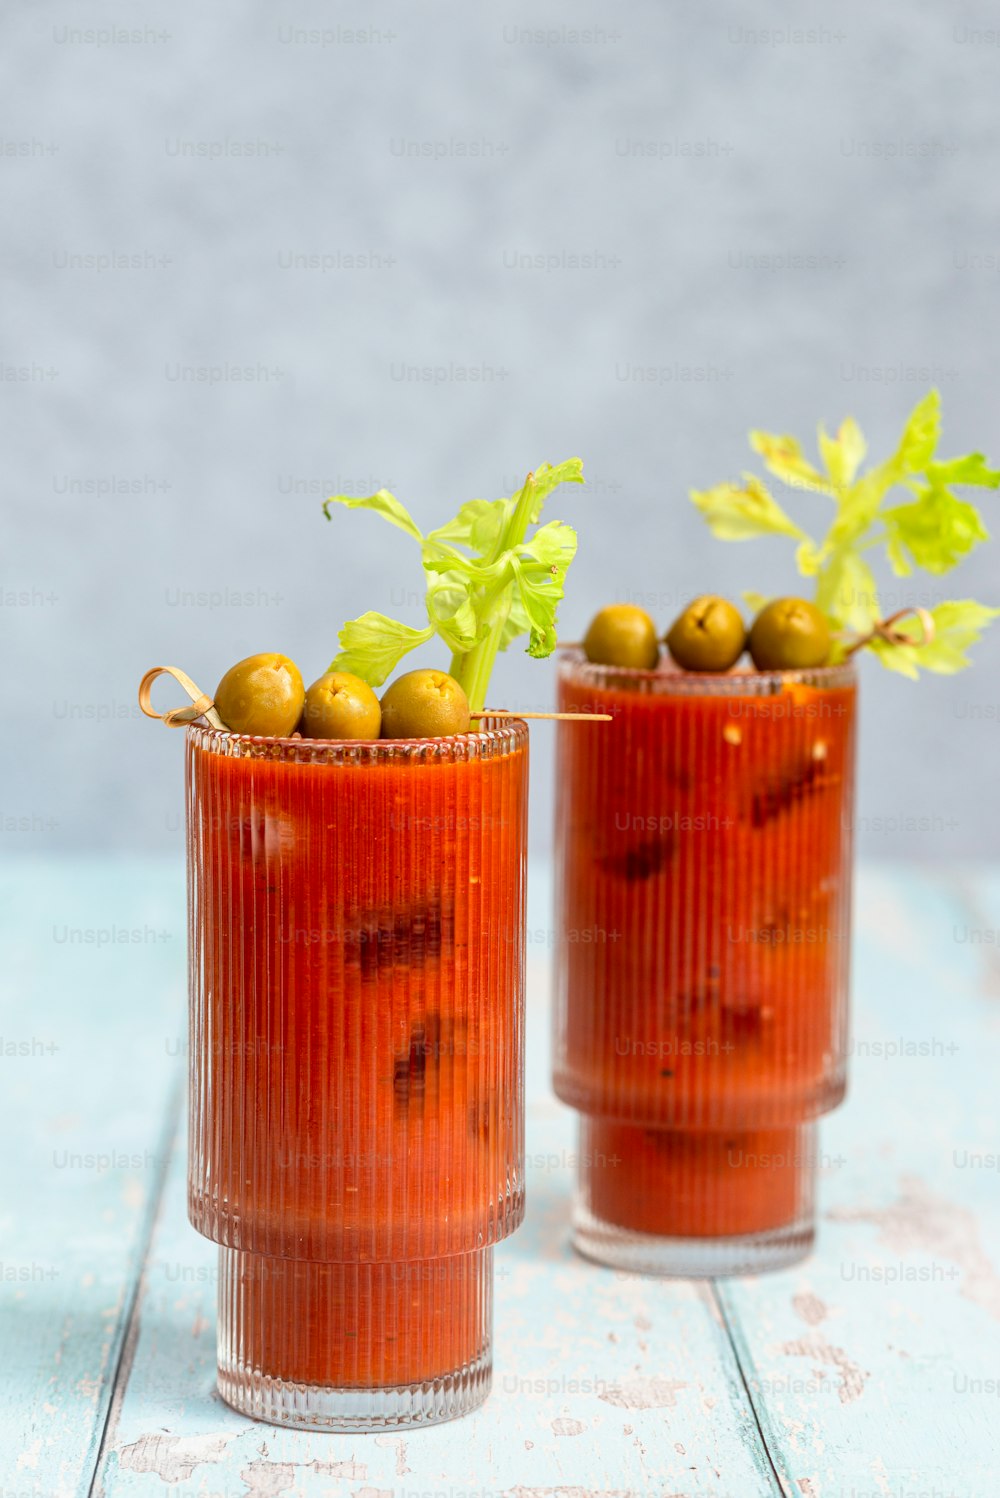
<point>341,204</point>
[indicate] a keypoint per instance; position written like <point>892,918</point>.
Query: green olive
<point>622,635</point>
<point>262,695</point>
<point>341,706</point>
<point>709,636</point>
<point>424,705</point>
<point>789,634</point>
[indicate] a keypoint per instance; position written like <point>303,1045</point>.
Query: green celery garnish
<point>487,583</point>
<point>932,531</point>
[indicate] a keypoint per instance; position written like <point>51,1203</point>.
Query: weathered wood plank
<point>874,1366</point>
<point>603,1383</point>
<point>91,1012</point>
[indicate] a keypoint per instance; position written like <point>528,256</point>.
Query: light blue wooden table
<point>870,1371</point>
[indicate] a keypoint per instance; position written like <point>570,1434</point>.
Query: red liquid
<point>357,994</point>
<point>351,1325</point>
<point>695,1183</point>
<point>705,906</point>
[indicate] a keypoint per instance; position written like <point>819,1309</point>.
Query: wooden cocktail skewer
<point>202,705</point>
<point>503,712</point>
<point>883,630</point>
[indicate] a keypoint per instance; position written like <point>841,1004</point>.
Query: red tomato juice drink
<point>703,909</point>
<point>356,919</point>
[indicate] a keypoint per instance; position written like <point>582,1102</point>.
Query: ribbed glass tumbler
<point>703,916</point>
<point>356,958</point>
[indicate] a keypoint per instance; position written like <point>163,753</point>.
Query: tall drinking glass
<point>703,903</point>
<point>356,947</point>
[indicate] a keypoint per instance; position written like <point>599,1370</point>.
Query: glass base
<point>354,1346</point>
<point>694,1202</point>
<point>314,1407</point>
<point>689,1258</point>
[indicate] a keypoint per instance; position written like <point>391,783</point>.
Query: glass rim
<point>674,682</point>
<point>497,738</point>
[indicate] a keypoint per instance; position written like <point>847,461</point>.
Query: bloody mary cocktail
<point>357,988</point>
<point>703,904</point>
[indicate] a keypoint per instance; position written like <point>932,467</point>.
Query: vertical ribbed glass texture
<point>703,899</point>
<point>356,929</point>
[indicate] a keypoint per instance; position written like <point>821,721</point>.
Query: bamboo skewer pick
<point>884,629</point>
<point>503,712</point>
<point>202,705</point>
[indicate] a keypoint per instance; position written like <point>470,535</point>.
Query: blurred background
<point>257,253</point>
